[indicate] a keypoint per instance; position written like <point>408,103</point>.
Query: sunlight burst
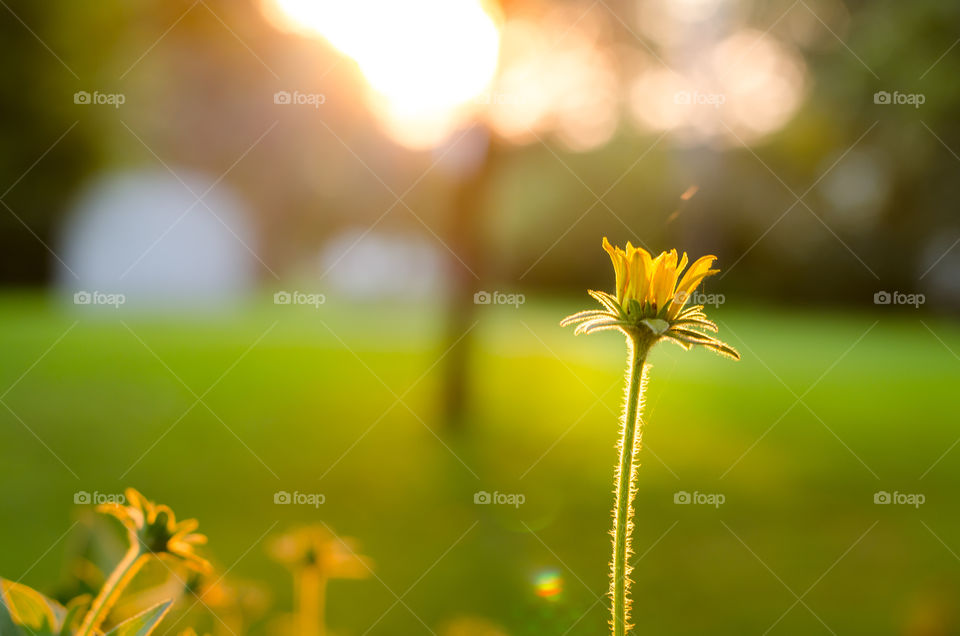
<point>426,61</point>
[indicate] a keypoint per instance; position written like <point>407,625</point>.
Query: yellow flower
<point>316,555</point>
<point>652,282</point>
<point>154,529</point>
<point>316,547</point>
<point>651,298</point>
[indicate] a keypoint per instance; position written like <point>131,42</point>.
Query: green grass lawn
<point>824,410</point>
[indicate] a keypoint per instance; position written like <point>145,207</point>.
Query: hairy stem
<point>630,441</point>
<point>112,589</point>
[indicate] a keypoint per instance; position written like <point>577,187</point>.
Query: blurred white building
<point>159,242</point>
<point>375,265</point>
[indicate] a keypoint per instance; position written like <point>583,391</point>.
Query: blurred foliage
<point>199,79</point>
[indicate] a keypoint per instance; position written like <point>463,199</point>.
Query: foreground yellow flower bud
<point>155,529</point>
<point>153,532</point>
<point>316,555</point>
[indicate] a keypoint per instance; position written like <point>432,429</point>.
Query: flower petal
<point>662,279</point>
<point>620,269</point>
<point>690,281</point>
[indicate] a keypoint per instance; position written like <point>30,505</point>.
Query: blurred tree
<point>467,237</point>
<point>47,150</point>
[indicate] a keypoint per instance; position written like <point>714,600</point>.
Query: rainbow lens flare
<point>548,584</point>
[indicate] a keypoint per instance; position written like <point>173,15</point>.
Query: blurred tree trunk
<point>466,238</point>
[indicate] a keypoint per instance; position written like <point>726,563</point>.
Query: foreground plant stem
<point>112,589</point>
<point>311,591</point>
<point>630,442</point>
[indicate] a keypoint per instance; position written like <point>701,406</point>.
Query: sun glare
<point>556,77</point>
<point>427,62</point>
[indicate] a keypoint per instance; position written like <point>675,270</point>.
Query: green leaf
<point>23,610</point>
<point>143,623</point>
